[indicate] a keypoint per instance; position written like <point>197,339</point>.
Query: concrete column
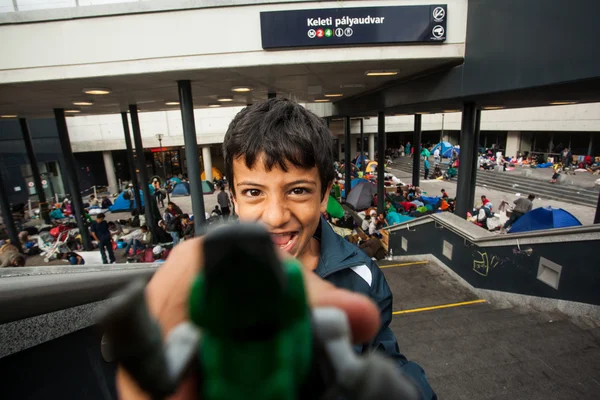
<point>354,150</point>
<point>416,140</point>
<point>111,175</point>
<point>207,160</point>
<point>513,141</point>
<point>347,158</point>
<point>380,161</point>
<point>465,182</point>
<point>371,146</point>
<point>591,144</point>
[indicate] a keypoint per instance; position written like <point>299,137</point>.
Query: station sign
<point>354,26</point>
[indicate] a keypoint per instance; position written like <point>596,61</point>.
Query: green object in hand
<point>256,346</point>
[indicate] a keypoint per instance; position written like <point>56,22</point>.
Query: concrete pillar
<point>465,182</point>
<point>513,141</point>
<point>591,144</point>
<point>380,161</point>
<point>347,158</point>
<point>111,175</point>
<point>354,149</point>
<point>371,146</point>
<point>207,160</point>
<point>416,140</point>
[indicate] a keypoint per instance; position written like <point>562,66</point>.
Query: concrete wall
<point>185,40</point>
<point>105,132</point>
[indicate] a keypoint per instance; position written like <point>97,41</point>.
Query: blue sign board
<point>354,26</point>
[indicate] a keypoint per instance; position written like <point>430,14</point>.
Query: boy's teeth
<point>281,239</point>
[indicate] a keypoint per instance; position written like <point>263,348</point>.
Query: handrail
<point>30,291</point>
<point>483,235</point>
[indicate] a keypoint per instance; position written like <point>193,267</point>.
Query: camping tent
<point>215,173</point>
<point>353,183</point>
<point>122,204</point>
<point>181,189</point>
<point>361,196</point>
<point>544,218</point>
<point>207,187</point>
<point>445,147</point>
<point>175,180</point>
<point>334,208</point>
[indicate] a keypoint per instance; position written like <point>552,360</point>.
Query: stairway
<point>491,351</point>
<point>516,183</point>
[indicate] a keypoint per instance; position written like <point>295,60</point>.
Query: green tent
<point>207,187</point>
<point>334,208</point>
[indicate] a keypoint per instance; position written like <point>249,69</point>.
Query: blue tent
<point>359,160</point>
<point>181,189</point>
<point>445,149</point>
<point>544,218</point>
<point>122,204</point>
<point>175,180</point>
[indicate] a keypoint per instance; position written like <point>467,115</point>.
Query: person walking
<point>101,234</point>
<point>224,202</point>
<point>426,166</point>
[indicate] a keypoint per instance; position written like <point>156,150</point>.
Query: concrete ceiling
<point>302,82</point>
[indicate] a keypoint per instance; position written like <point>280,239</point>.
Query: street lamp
<point>159,136</point>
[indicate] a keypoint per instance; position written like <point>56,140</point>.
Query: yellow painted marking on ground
<point>414,310</point>
<point>403,264</point>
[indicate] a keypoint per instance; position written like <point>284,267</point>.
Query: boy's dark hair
<point>100,216</point>
<point>144,227</point>
<point>185,216</point>
<point>286,133</point>
<point>531,197</point>
<point>443,190</point>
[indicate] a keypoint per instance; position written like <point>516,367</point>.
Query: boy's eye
<point>300,191</point>
<point>251,192</point>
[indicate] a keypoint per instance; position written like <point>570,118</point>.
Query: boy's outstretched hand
<point>167,297</point>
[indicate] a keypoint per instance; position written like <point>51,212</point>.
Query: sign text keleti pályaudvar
<point>352,26</point>
<point>345,21</point>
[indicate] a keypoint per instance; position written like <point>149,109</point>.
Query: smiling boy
<point>278,160</point>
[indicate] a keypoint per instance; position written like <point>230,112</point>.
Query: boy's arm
<point>385,340</point>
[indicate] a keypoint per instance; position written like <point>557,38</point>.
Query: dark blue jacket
<point>346,266</point>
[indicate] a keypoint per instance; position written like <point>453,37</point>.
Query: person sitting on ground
<point>522,206</point>
<point>216,212</point>
<point>159,254</point>
<point>187,227</point>
<point>389,207</point>
<point>12,259</point>
<point>366,222</point>
<point>444,194</point>
<point>115,229</point>
<point>138,239</point>
<point>56,213</point>
<point>93,201</point>
<point>101,234</point>
<point>106,202</point>
<point>73,258</point>
<point>373,248</point>
<point>162,236</point>
<point>437,172</point>
<point>484,200</point>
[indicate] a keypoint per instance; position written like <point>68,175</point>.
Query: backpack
<point>173,224</point>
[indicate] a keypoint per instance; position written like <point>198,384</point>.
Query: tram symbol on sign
<point>311,33</point>
<point>339,32</point>
<point>348,32</point>
<point>320,33</point>
<point>438,31</point>
<point>438,14</point>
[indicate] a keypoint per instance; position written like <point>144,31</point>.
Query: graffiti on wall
<point>482,263</point>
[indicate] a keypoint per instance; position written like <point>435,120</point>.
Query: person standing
<point>224,202</point>
<point>101,234</point>
<point>426,166</point>
<point>522,206</point>
<point>566,158</point>
<point>130,195</point>
<point>407,148</point>
<point>436,156</point>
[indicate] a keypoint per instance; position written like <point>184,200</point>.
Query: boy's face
<point>288,203</point>
<point>98,219</point>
